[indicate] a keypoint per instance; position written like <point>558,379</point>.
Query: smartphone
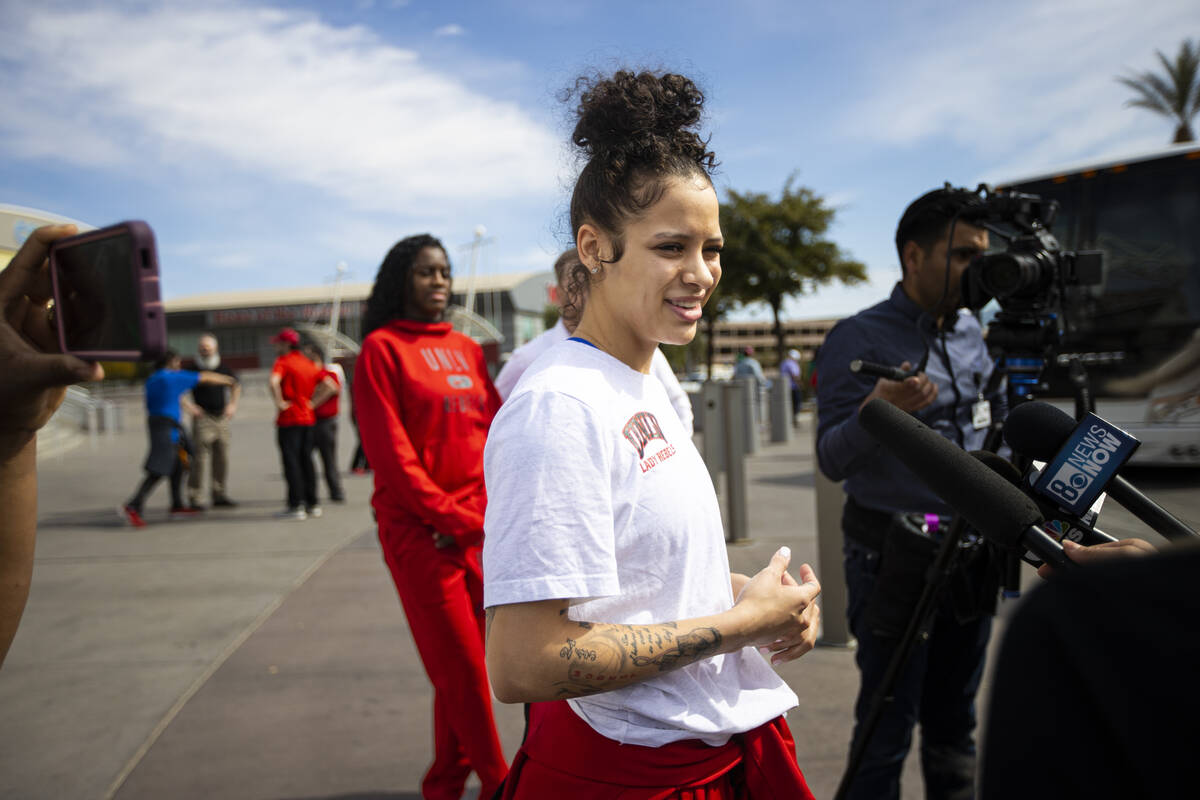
<point>107,305</point>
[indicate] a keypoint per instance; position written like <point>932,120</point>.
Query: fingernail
<point>785,551</point>
<point>1069,544</point>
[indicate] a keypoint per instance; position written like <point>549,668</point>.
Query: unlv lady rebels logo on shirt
<point>640,430</point>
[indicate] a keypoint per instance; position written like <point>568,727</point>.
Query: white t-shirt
<point>524,356</point>
<point>597,494</point>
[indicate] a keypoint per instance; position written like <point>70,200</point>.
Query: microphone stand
<point>935,580</point>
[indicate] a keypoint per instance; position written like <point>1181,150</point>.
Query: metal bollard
<point>696,400</point>
<point>781,410</point>
<point>734,401</point>
<point>751,413</point>
<point>712,440</point>
<point>835,631</point>
<point>108,416</point>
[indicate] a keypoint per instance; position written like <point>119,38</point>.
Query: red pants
<point>442,595</point>
<point>563,757</point>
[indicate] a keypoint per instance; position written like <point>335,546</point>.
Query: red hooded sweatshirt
<point>424,402</point>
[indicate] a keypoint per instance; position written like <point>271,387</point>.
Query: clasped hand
<point>783,615</point>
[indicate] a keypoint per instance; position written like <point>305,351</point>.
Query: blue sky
<point>266,142</point>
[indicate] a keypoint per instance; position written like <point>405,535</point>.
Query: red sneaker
<point>131,516</point>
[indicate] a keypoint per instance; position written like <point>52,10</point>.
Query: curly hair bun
<point>640,120</point>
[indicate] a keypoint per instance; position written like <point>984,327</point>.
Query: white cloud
<point>453,29</point>
<point>276,93</point>
<point>1028,84</point>
<point>531,259</point>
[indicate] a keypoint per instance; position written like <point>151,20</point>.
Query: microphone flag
<point>1085,464</point>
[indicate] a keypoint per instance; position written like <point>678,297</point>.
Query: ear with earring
<point>595,269</point>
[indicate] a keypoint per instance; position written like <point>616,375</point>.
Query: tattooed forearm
<point>608,656</point>
<point>689,647</point>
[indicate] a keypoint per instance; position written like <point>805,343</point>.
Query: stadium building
<point>509,310</point>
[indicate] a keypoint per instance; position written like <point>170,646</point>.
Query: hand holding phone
<point>106,294</point>
<point>35,376</point>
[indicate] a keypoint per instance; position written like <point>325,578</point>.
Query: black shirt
<point>210,396</point>
<point>1094,692</point>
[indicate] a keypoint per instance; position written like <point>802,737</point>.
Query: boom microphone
<point>1043,432</point>
<point>989,503</point>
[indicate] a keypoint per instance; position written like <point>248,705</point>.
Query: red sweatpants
<point>442,595</point>
<point>563,757</point>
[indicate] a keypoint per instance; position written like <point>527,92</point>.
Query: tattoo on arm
<point>487,631</point>
<point>606,656</point>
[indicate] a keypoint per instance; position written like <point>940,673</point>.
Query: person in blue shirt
<point>919,324</point>
<point>790,368</point>
<point>163,419</point>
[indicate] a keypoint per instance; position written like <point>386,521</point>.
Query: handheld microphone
<point>1057,524</point>
<point>989,503</point>
<point>1086,459</point>
<point>860,367</point>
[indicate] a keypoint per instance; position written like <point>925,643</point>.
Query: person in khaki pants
<point>212,408</point>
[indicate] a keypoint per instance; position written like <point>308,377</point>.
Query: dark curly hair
<point>636,130</point>
<point>393,282</point>
<point>569,306</point>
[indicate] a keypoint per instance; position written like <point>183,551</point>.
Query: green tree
<point>776,249</point>
<point>720,304</point>
<point>1175,94</point>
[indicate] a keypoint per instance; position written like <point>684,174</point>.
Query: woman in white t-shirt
<point>606,579</point>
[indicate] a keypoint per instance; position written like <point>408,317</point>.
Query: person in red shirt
<point>293,380</point>
<point>424,403</point>
<point>325,407</point>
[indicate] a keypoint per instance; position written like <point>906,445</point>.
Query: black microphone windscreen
<point>999,465</point>
<point>993,506</point>
<point>1037,429</point>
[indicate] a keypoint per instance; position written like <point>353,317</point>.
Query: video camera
<point>1031,275</point>
<point>1029,278</point>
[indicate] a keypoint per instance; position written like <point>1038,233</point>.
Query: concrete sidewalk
<point>241,656</point>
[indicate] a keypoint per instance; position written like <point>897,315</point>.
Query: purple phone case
<point>143,275</point>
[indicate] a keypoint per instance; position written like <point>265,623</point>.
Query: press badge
<point>981,414</point>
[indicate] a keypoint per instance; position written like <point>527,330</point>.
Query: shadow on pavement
<point>110,517</point>
<point>804,479</point>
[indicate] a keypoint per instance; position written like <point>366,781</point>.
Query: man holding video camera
<point>885,557</point>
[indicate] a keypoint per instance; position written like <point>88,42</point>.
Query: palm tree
<point>1175,95</point>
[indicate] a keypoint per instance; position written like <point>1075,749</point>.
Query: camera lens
<point>1007,274</point>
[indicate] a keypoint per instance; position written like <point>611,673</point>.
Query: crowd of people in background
<point>305,390</point>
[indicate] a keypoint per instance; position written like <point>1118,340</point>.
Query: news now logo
<point>1086,463</point>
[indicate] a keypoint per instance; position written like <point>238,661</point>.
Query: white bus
<point>1138,332</point>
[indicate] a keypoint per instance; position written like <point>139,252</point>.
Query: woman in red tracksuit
<point>424,402</point>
